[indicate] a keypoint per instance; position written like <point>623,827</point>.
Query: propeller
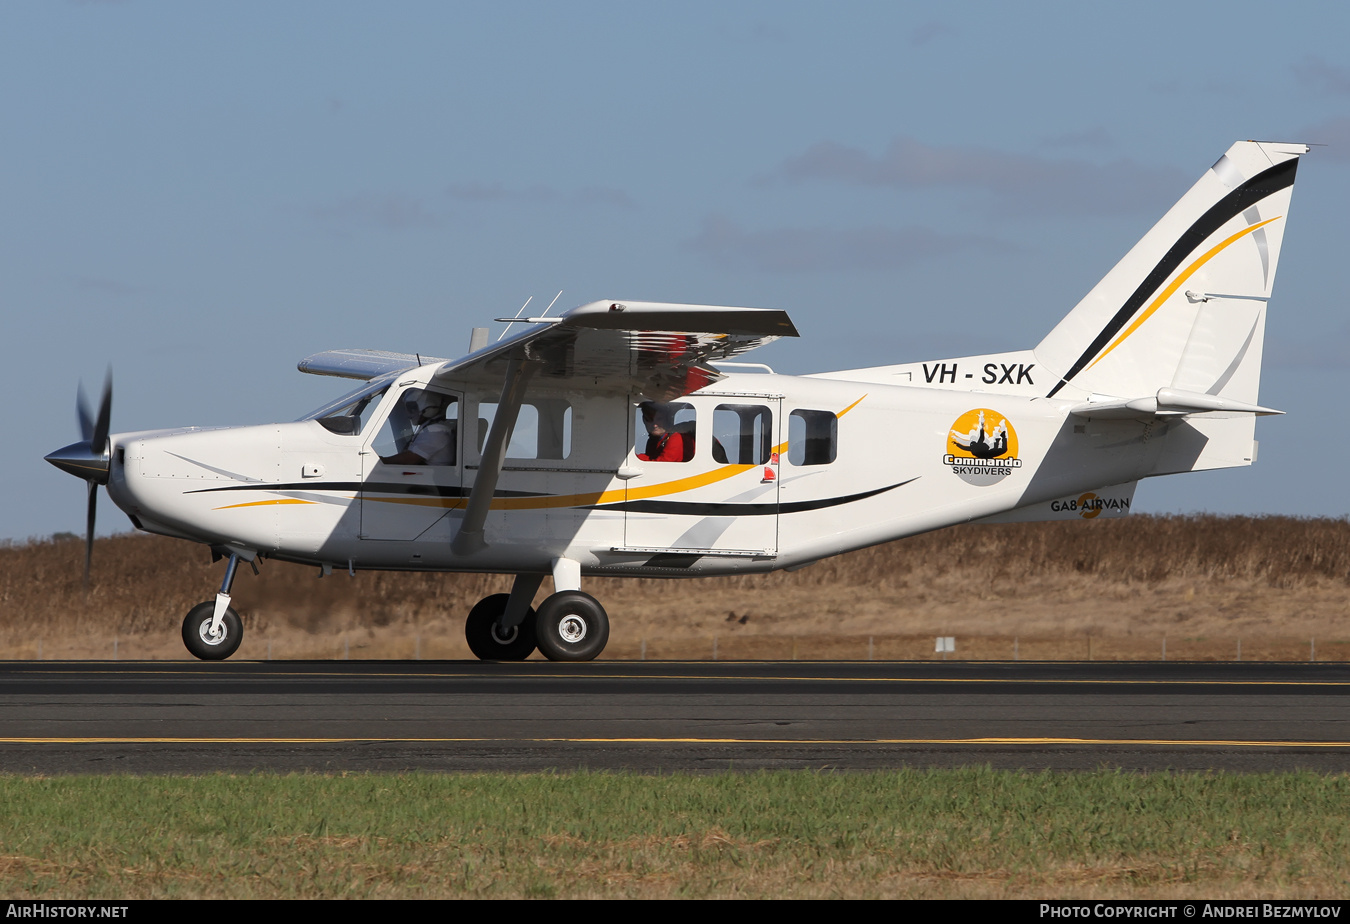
<point>89,458</point>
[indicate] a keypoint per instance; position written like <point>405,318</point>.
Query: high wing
<point>657,349</point>
<point>660,350</point>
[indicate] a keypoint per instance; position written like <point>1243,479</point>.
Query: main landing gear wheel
<point>197,632</point>
<point>571,626</point>
<point>485,637</point>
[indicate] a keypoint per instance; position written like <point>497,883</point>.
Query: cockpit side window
<point>346,414</point>
<point>421,429</point>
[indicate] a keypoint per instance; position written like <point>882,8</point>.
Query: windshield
<point>345,414</point>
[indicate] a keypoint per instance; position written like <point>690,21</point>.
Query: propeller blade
<point>89,459</point>
<point>99,442</point>
<point>85,416</point>
<point>89,531</point>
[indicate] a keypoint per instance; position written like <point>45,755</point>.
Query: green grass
<point>961,833</point>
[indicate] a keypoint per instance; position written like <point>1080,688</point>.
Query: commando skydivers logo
<point>982,447</point>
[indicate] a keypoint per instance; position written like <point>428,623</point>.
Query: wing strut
<point>469,539</point>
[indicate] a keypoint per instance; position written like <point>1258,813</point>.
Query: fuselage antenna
<point>550,304</point>
<point>518,314</point>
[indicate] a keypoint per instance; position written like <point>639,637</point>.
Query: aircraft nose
<point>80,460</point>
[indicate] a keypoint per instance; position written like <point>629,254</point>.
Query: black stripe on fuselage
<point>1235,203</point>
<point>678,508</point>
<point>714,509</point>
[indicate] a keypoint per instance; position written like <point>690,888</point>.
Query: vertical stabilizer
<point>1186,307</point>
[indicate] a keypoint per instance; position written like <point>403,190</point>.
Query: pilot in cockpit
<point>434,442</point>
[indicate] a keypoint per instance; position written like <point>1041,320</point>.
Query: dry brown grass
<point>1104,590</point>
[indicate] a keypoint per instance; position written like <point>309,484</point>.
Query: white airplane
<point>620,438</point>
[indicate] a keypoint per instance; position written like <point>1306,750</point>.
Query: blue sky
<point>202,194</point>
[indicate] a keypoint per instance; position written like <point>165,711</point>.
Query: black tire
<point>571,626</point>
<point>480,631</point>
<point>200,643</point>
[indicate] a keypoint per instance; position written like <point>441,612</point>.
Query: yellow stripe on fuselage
<point>850,407</point>
<point>265,503</point>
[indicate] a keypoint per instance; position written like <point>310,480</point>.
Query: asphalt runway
<point>187,717</point>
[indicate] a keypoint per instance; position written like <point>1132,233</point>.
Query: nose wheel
<point>212,642</point>
<point>212,631</point>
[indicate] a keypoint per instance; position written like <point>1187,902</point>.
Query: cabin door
<point>717,493</point>
<point>405,496</point>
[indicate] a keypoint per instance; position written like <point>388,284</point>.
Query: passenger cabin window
<point>424,424</point>
<point>543,429</point>
<point>742,434</point>
<point>813,437</point>
<point>664,431</point>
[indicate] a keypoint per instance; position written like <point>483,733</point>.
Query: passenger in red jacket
<point>664,442</point>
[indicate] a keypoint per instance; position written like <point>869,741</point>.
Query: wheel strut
<point>223,598</point>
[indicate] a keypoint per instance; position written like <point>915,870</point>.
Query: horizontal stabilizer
<point>362,364</point>
<point>1168,402</point>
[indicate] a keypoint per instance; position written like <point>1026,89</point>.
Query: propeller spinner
<point>89,458</point>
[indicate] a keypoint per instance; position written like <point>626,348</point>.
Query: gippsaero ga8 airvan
<point>622,438</point>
